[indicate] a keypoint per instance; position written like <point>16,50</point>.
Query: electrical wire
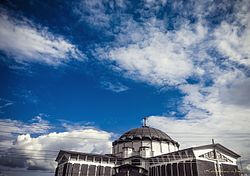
<point>173,133</point>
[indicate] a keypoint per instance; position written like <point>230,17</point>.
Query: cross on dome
<point>145,121</point>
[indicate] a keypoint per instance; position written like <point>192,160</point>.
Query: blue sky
<point>87,90</point>
<point>70,67</point>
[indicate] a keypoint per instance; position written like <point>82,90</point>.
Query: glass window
<point>175,169</point>
<point>90,158</point>
<point>181,169</point>
<point>105,160</point>
<point>163,171</point>
<point>82,157</point>
<point>107,171</point>
<point>73,157</point>
<point>153,171</point>
<point>92,170</point>
<point>84,169</point>
<point>97,159</point>
<point>159,170</point>
<point>194,168</point>
<point>76,168</point>
<point>169,170</point>
<point>188,168</point>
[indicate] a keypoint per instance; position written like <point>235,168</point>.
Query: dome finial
<point>145,122</point>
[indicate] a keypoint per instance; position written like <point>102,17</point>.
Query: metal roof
<point>144,133</point>
<point>63,152</point>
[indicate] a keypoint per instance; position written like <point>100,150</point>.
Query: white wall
<point>155,147</point>
<point>165,148</point>
<point>172,147</point>
<point>137,145</point>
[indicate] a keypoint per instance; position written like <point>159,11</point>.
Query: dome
<point>144,133</point>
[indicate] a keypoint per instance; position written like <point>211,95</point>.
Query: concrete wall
<point>155,147</point>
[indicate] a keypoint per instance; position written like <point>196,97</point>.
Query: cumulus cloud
<point>28,151</point>
<point>24,42</point>
<point>47,145</point>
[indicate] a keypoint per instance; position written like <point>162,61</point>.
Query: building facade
<point>147,151</point>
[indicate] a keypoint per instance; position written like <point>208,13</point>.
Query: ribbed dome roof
<point>144,132</point>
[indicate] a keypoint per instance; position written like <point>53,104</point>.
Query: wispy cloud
<point>23,41</point>
<point>114,87</point>
<point>4,103</point>
<point>100,14</point>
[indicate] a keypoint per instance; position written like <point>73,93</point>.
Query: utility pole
<point>144,121</point>
<point>218,171</point>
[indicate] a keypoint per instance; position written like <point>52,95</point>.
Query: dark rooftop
<point>144,132</point>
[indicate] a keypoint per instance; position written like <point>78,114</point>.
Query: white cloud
<point>36,126</point>
<point>147,52</point>
<point>155,56</point>
<point>27,43</point>
<point>216,107</point>
<point>38,152</point>
<point>114,87</point>
<point>220,111</point>
<point>4,103</point>
<point>233,39</point>
<point>88,140</point>
<point>99,13</point>
<point>234,42</point>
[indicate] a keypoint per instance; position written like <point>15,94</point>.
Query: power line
<point>33,149</point>
<point>61,137</point>
<point>19,170</point>
<point>101,139</point>
<point>169,132</point>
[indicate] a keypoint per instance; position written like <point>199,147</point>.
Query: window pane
<point>153,171</point>
<point>181,169</point>
<point>76,168</point>
<point>84,168</point>
<point>163,170</point>
<point>169,170</point>
<point>150,171</point>
<point>194,168</point>
<point>107,171</point>
<point>69,169</point>
<point>92,170</point>
<point>175,169</point>
<point>98,170</point>
<point>159,170</point>
<point>188,168</point>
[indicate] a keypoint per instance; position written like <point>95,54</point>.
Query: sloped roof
<point>219,147</point>
<point>65,152</point>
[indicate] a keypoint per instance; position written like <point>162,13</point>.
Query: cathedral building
<point>147,151</point>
